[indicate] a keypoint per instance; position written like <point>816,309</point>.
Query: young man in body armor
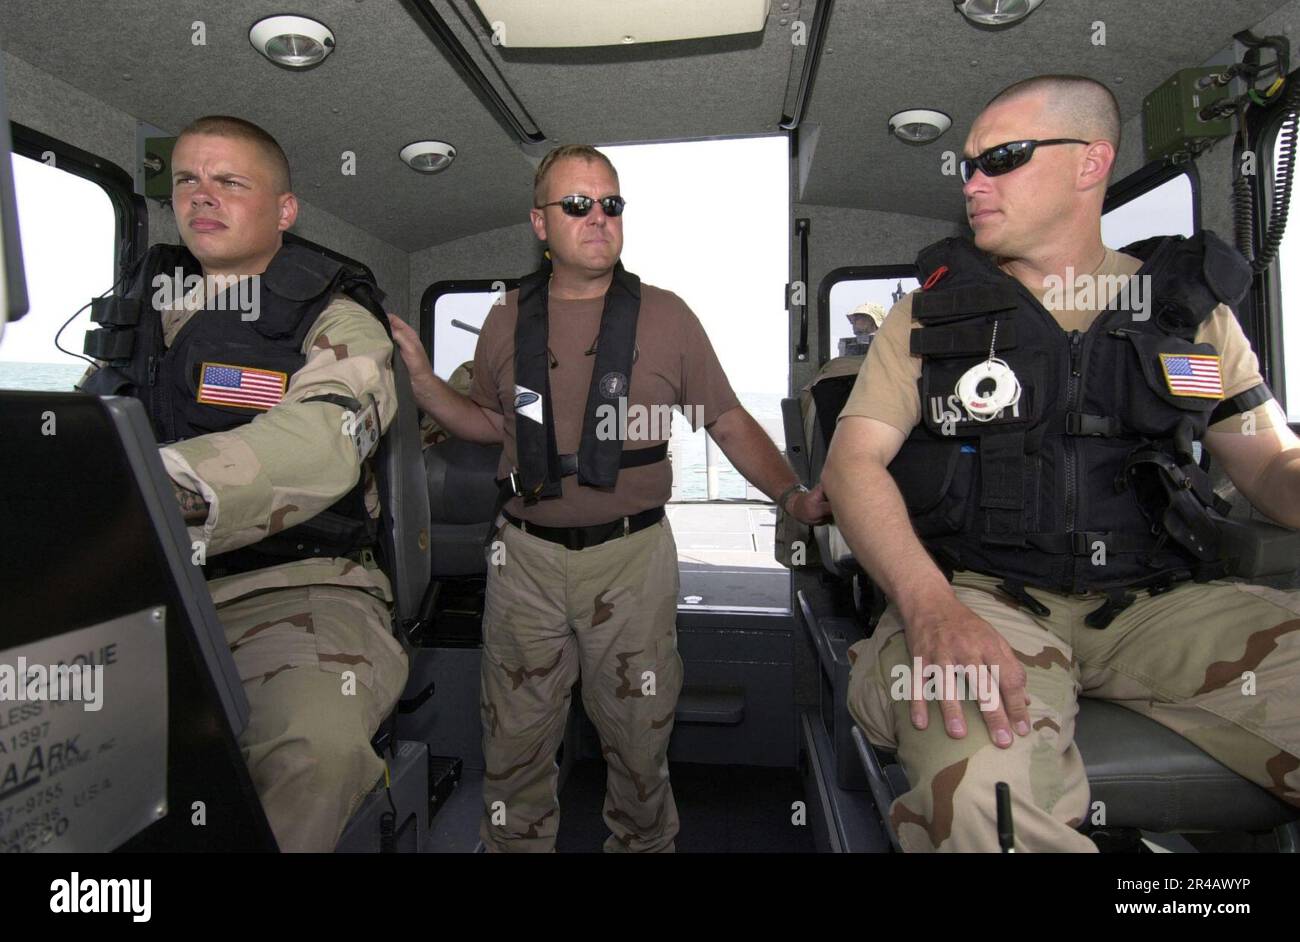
<point>268,384</point>
<point>1061,534</point>
<point>583,578</point>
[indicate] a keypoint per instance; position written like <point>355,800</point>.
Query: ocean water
<point>46,377</point>
<point>690,469</point>
<point>687,447</point>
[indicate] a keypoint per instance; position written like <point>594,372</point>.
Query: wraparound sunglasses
<point>1007,157</point>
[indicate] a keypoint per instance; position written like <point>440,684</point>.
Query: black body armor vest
<point>295,288</point>
<point>1089,481</point>
<point>597,463</point>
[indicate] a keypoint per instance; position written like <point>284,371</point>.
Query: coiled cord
<point>1283,179</point>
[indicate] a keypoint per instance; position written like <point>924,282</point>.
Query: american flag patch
<point>1192,374</point>
<point>221,384</point>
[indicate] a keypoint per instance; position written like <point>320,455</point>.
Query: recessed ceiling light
<point>919,125</point>
<point>428,156</point>
<point>996,12</point>
<point>292,41</point>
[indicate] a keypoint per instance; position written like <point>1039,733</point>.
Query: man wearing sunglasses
<point>1084,487</point>
<point>582,575</point>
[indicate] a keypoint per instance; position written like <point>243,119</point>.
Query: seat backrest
<point>823,400</point>
<point>116,575</point>
<point>404,537</point>
<point>462,492</point>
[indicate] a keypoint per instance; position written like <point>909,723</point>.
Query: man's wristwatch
<point>795,488</point>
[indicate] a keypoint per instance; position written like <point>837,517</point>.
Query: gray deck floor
<point>726,555</point>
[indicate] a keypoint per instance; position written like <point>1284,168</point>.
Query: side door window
<point>852,302</point>
<point>69,227</point>
<point>452,314</point>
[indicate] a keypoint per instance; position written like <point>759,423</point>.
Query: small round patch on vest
<point>525,399</point>
<point>613,385</point>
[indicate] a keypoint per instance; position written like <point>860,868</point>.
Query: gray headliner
<point>388,84</point>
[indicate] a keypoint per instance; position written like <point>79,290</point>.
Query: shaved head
<point>220,125</point>
<point>1079,106</point>
<point>1053,201</point>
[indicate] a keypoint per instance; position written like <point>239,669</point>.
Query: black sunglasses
<point>581,205</point>
<point>1007,157</point>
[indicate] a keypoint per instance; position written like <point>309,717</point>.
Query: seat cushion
<point>1149,777</point>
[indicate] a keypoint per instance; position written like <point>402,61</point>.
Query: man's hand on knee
<point>959,644</point>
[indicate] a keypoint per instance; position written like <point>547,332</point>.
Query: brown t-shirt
<point>886,388</point>
<point>675,365</point>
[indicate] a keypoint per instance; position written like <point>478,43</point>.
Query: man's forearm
<point>752,452</point>
<point>870,512</point>
<point>1279,491</point>
<point>456,412</point>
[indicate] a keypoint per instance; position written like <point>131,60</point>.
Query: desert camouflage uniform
<point>431,433</point>
<point>1181,658</point>
<point>295,628</point>
<point>609,611</point>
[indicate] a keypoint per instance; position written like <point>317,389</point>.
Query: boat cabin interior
<point>783,163</point>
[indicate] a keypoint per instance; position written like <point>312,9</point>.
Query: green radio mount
<point>1183,116</point>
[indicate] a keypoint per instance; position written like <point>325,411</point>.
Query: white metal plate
<point>83,736</point>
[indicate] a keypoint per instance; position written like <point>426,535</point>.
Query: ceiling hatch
<point>559,23</point>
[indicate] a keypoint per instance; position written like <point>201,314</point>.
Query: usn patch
<point>246,387</point>
<point>1192,374</point>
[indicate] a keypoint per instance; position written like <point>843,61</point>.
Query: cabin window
<point>68,227</point>
<point>1149,203</point>
<point>848,289</point>
<point>451,314</point>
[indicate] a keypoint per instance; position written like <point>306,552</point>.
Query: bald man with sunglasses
<point>1016,469</point>
<point>582,575</point>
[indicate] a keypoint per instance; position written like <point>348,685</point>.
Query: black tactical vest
<point>1089,482</point>
<point>598,460</point>
<point>268,337</point>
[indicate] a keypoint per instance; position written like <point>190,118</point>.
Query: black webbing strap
<point>107,344</point>
<point>115,312</point>
<point>630,458</point>
<point>1242,402</point>
<point>956,303</point>
<point>962,339</point>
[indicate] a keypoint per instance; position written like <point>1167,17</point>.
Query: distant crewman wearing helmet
<point>1017,468</point>
<point>865,320</point>
<point>270,383</point>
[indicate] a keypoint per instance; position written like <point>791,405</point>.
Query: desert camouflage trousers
<point>608,612</point>
<point>1216,662</point>
<point>322,670</point>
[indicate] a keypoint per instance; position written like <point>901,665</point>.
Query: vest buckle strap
<point>1103,426</point>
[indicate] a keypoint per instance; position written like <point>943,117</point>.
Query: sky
<point>66,225</point>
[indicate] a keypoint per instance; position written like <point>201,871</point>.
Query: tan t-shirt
<point>886,388</point>
<point>675,365</point>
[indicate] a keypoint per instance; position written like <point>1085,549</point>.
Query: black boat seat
<point>1144,776</point>
<point>462,488</point>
